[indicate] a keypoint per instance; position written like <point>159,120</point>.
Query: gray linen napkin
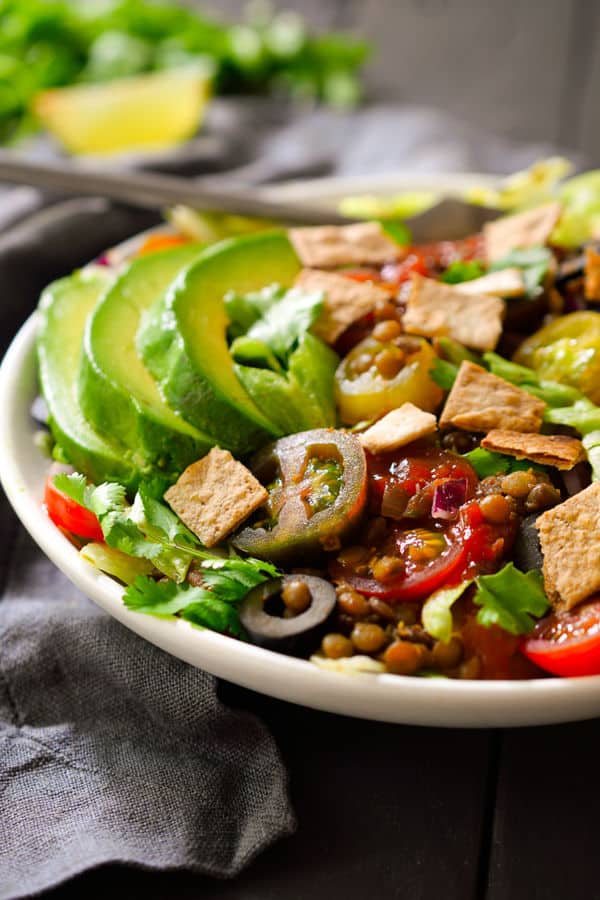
<point>111,750</point>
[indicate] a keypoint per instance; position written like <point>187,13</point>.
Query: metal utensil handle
<point>151,190</point>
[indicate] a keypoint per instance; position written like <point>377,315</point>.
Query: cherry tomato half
<point>69,515</point>
<point>567,643</point>
<point>419,580</point>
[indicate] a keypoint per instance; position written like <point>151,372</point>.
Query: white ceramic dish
<point>382,697</point>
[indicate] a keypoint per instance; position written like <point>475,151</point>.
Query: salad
<point>334,444</point>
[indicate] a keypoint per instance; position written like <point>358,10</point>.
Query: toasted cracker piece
<point>401,426</point>
<point>328,246</point>
<point>346,301</point>
<point>434,309</point>
<point>214,495</point>
<point>526,229</point>
<point>548,449</point>
<point>570,541</point>
<point>503,283</point>
<point>592,275</point>
<point>480,401</point>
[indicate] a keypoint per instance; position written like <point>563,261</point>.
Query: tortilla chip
<point>570,541</point>
<point>547,449</point>
<point>346,301</point>
<point>592,275</point>
<point>214,495</point>
<point>402,426</point>
<point>328,246</point>
<point>503,283</point>
<point>434,309</point>
<point>480,401</point>
<point>526,229</point>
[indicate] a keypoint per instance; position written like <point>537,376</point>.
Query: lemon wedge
<point>146,112</point>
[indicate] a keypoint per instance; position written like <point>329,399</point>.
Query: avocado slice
<point>183,340</point>
<point>63,309</point>
<point>116,392</point>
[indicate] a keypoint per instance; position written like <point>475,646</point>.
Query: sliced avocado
<point>117,393</point>
<point>63,310</point>
<point>183,340</point>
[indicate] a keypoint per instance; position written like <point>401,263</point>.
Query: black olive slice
<point>258,613</point>
<point>527,552</point>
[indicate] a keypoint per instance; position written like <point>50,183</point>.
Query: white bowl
<point>388,698</point>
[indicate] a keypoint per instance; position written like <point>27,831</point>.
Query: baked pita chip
<point>328,246</point>
<point>434,309</point>
<point>570,541</point>
<point>346,301</point>
<point>503,283</point>
<point>526,229</point>
<point>214,495</point>
<point>402,426</point>
<point>556,450</point>
<point>480,401</point>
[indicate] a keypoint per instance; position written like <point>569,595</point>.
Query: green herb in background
<point>52,43</point>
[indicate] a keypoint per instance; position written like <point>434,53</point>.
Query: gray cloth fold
<point>111,750</point>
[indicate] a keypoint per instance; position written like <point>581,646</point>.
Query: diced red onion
<point>448,496</point>
<point>103,260</point>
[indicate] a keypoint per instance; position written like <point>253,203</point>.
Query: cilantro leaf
<point>533,263</point>
<point>100,500</point>
<point>156,598</point>
<point>216,614</point>
<point>283,323</point>
<point>231,579</point>
<point>243,310</point>
<point>462,270</point>
<point>195,604</point>
<point>510,598</point>
<point>443,373</point>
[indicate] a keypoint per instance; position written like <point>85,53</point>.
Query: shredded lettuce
<point>510,598</point>
<point>436,615</point>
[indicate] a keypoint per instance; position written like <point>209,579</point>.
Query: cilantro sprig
<point>148,529</point>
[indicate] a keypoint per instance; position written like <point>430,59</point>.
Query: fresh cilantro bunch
<point>148,529</point>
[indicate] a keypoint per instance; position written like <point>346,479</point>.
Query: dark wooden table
<point>387,811</point>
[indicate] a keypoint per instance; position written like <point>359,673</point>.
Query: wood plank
<point>545,840</point>
<point>384,811</point>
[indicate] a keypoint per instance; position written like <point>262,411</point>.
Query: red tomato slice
<point>415,586</point>
<point>568,643</point>
<point>68,514</point>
